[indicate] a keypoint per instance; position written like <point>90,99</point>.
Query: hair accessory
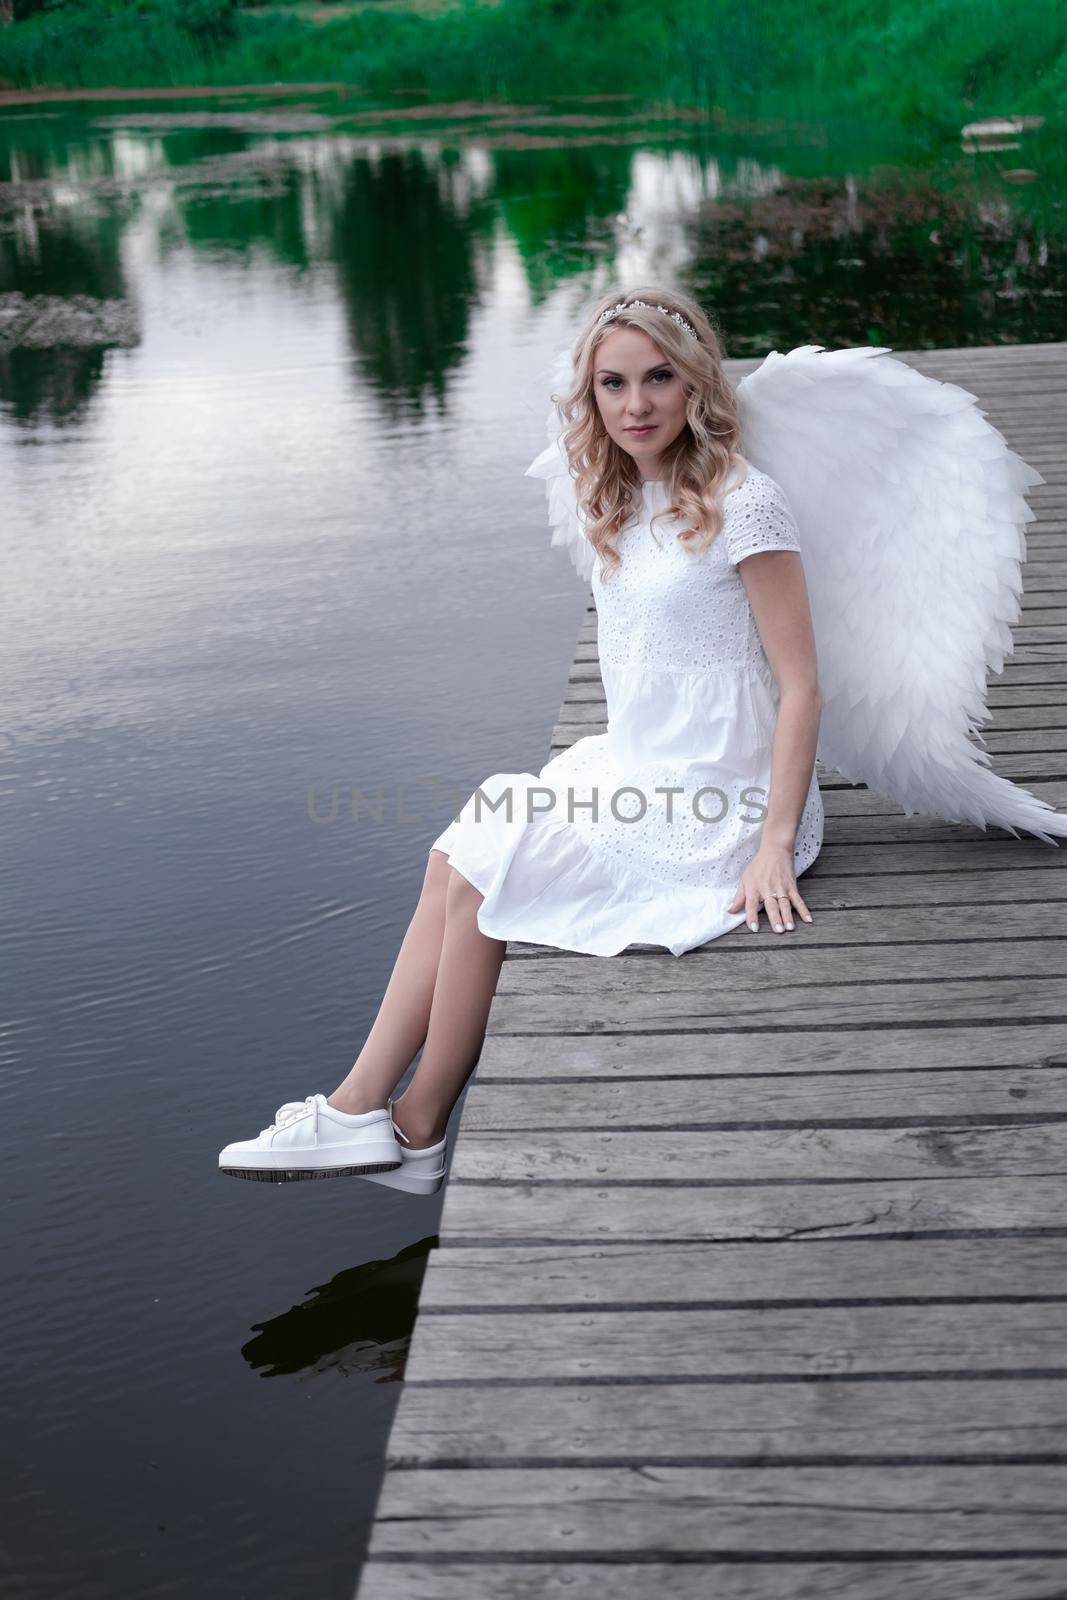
<point>624,305</point>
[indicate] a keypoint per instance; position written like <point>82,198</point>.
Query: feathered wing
<point>911,512</point>
<point>568,526</point>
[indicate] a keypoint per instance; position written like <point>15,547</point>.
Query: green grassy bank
<point>928,63</point>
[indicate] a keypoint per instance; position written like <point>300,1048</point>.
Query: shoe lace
<point>396,1126</point>
<point>289,1112</point>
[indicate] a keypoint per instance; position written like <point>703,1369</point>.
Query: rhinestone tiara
<point>624,305</point>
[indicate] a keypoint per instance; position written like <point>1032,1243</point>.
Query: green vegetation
<point>100,42</point>
<point>931,64</point>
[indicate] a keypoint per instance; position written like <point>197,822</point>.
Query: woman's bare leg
<point>404,1014</point>
<point>467,975</point>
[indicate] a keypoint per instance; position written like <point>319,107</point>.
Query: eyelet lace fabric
<point>640,834</point>
<point>675,611</point>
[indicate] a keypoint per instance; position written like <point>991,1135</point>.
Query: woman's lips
<point>648,427</point>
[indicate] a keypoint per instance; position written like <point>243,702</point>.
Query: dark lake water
<point>268,382</point>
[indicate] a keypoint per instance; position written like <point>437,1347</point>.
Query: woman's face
<point>639,395</point>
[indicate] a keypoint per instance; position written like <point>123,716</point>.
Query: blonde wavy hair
<point>694,466</point>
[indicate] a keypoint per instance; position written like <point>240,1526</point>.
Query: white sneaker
<point>420,1171</point>
<point>312,1139</point>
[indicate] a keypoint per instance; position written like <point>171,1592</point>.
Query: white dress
<point>691,707</point>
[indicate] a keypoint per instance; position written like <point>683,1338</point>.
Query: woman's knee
<point>437,876</point>
<point>444,880</point>
<point>461,894</point>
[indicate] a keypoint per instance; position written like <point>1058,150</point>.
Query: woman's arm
<point>774,582</point>
<point>777,593</point>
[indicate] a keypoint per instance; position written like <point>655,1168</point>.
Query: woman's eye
<point>611,383</point>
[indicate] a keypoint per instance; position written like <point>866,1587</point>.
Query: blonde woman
<point>699,808</point>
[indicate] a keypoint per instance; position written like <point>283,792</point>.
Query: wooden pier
<point>752,1278</point>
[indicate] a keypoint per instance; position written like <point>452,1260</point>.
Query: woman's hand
<point>770,880</point>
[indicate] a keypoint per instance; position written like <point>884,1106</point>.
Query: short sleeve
<point>758,517</point>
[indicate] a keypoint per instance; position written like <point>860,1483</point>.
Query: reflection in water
<point>53,385</point>
<point>897,261</point>
<point>62,286</point>
<point>556,206</point>
<point>406,231</point>
<point>782,243</point>
<point>360,1322</point>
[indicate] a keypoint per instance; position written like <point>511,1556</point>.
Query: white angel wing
<point>568,524</point>
<point>911,512</point>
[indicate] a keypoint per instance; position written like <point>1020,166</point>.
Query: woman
<point>700,804</point>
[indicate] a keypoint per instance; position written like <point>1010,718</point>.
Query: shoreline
<point>22,97</point>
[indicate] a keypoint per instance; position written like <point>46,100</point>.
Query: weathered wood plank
<point>768,1510</point>
<point>838,1049</point>
<point>854,800</point>
<point>1027,767</point>
<point>705,1423</point>
<point>541,1577</point>
<point>780,1341</point>
<point>838,961</point>
<point>799,1272</point>
<point>554,1010</point>
<point>847,828</point>
<point>1044,738</point>
<point>656,1152</point>
<point>574,1212</point>
<point>801,1098</point>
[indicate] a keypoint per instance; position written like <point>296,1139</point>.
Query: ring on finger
<point>787,916</point>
